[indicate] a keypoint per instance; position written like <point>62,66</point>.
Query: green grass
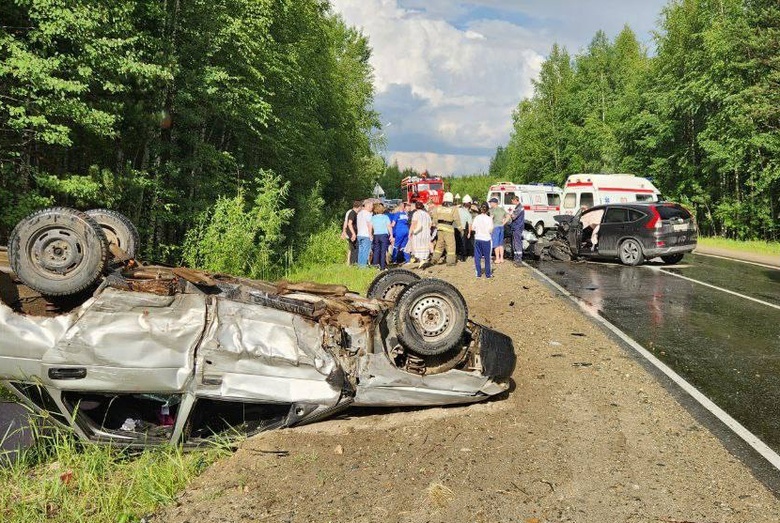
<point>5,394</point>
<point>753,246</point>
<point>61,480</point>
<point>354,278</point>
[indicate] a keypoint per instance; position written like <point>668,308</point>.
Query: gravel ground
<point>586,436</point>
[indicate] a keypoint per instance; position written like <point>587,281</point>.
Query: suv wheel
<point>672,258</point>
<point>630,252</point>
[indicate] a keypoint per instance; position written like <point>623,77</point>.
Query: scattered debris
<point>440,495</point>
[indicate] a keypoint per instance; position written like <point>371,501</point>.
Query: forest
<point>233,133</point>
<point>700,115</point>
<point>197,120</point>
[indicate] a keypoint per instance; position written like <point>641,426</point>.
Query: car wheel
<point>630,252</point>
<point>118,228</point>
<point>560,251</point>
<point>672,258</point>
<point>58,251</point>
<point>388,285</point>
<point>539,229</point>
<point>430,317</point>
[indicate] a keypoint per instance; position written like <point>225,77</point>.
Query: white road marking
<point>762,302</point>
<point>737,260</point>
<point>748,437</point>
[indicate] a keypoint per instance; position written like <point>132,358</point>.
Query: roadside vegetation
<point>752,246</point>
<point>60,480</point>
<point>171,107</point>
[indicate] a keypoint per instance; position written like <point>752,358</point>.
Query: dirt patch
<point>586,435</point>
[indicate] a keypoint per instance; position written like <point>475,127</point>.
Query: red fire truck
<point>423,188</point>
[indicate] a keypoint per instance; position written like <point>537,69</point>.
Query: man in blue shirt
<point>400,222</point>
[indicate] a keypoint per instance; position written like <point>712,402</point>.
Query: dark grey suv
<point>631,232</point>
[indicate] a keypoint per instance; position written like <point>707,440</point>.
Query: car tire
<point>672,259</point>
<point>560,251</point>
<point>430,317</point>
<point>388,285</point>
<point>118,229</point>
<point>539,229</point>
<point>630,252</point>
<point>58,251</point>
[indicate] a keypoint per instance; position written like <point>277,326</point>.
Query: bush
<point>234,238</point>
<point>322,248</point>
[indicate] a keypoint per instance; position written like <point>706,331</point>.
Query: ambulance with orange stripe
<point>541,201</point>
<point>587,190</point>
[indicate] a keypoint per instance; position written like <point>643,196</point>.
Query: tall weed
<point>237,238</point>
<point>60,480</point>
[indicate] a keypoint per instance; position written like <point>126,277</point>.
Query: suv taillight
<point>655,219</point>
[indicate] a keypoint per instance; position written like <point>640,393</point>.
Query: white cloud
<point>441,164</point>
<point>448,74</point>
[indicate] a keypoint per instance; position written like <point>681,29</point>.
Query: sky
<point>449,73</point>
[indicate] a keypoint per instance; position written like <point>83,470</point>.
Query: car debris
<point>135,354</point>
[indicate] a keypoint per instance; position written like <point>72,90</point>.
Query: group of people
<point>417,234</point>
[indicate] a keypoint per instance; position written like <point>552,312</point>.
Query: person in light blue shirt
<point>382,234</point>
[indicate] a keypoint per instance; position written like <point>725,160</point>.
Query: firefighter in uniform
<point>447,219</point>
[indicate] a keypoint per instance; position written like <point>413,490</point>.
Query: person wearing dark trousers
<point>382,234</point>
<point>463,234</point>
<point>517,225</point>
<point>483,229</point>
<point>349,231</point>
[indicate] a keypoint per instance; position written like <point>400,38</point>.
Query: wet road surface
<point>726,345</point>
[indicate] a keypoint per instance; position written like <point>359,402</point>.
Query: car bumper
<point>665,251</point>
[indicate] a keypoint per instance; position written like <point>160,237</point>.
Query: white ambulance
<point>587,190</point>
<point>541,201</point>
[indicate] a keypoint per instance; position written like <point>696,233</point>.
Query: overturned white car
<point>138,354</point>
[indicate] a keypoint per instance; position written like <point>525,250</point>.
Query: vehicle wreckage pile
<point>133,354</point>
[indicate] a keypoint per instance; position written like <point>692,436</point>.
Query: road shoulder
<point>763,259</point>
<point>586,435</point>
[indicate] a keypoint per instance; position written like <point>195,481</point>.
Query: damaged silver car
<point>137,354</point>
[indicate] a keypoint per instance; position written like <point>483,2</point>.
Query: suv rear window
<point>671,212</point>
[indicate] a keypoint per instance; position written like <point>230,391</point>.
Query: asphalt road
<point>716,322</point>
